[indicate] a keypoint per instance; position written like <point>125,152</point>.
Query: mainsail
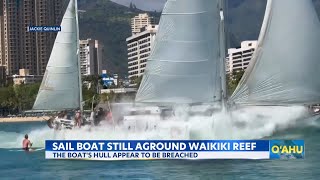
<point>185,62</point>
<point>285,66</point>
<point>60,87</point>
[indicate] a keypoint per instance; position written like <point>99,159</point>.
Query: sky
<point>147,5</point>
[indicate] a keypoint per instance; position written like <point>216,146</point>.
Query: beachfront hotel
<point>20,49</point>
<point>239,58</point>
<point>139,49</point>
<point>91,57</point>
<point>141,21</point>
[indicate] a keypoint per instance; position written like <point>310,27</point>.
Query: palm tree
<point>233,80</point>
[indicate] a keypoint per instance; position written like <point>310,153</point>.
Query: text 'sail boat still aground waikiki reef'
<point>190,47</point>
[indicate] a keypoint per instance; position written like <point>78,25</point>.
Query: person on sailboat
<point>60,114</point>
<point>26,143</point>
<point>93,117</point>
<point>65,115</point>
<point>109,116</point>
<point>78,119</point>
<point>57,121</point>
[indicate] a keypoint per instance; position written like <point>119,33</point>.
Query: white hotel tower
<point>140,21</point>
<point>239,58</point>
<point>139,49</point>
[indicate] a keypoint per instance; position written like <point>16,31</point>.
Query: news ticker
<point>44,28</point>
<point>151,150</point>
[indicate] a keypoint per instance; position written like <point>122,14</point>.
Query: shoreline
<point>24,119</point>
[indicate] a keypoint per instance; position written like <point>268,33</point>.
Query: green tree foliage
<point>21,97</point>
<point>18,97</point>
<point>233,80</point>
<point>8,98</point>
<point>105,97</point>
<point>26,95</point>
<point>115,98</point>
<point>136,81</point>
<point>94,80</point>
<point>90,90</point>
<point>88,95</point>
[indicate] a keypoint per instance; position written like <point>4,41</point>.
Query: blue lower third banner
<point>151,150</point>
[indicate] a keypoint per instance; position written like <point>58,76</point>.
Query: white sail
<point>184,65</point>
<point>285,67</point>
<point>60,85</point>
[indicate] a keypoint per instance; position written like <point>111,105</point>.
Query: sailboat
<point>186,68</point>
<point>61,89</point>
<point>186,65</point>
<point>285,67</point>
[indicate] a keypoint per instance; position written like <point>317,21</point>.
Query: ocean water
<point>16,164</point>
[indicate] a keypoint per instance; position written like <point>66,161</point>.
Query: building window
<point>247,51</point>
<point>247,55</point>
<point>237,61</point>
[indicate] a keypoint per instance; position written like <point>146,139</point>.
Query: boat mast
<point>222,55</point>
<point>78,55</point>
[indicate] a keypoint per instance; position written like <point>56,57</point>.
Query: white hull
<point>61,123</point>
<point>142,119</point>
<point>174,123</point>
<point>144,123</point>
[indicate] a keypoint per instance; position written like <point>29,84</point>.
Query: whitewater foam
<point>246,123</point>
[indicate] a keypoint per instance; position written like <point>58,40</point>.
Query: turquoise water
<point>16,164</point>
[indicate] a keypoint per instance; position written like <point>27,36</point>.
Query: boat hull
<point>61,123</point>
<point>175,119</point>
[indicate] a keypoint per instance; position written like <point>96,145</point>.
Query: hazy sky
<point>149,5</point>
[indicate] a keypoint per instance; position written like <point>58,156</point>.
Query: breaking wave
<point>246,123</point>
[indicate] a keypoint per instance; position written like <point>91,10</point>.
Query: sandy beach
<point>24,119</point>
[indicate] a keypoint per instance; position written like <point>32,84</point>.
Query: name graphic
<point>44,28</point>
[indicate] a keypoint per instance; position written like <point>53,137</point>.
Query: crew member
<point>26,144</point>
<point>78,119</point>
<point>92,117</point>
<point>109,116</point>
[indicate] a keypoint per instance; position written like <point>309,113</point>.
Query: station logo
<point>287,149</point>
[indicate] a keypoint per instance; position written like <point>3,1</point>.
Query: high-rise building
<point>98,56</point>
<point>2,75</point>
<point>20,49</point>
<point>141,21</point>
<point>139,49</point>
<point>90,57</point>
<point>239,58</point>
<point>2,55</point>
